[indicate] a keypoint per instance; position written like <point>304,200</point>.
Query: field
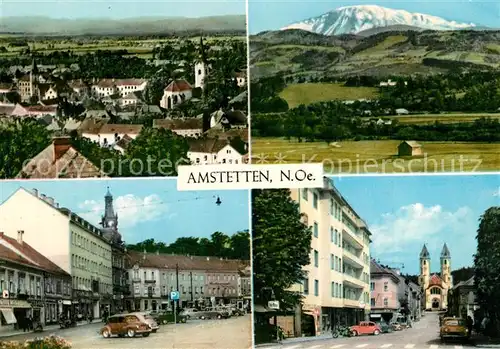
<point>378,156</point>
<point>425,119</point>
<point>297,94</point>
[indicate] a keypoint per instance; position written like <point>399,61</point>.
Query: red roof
<point>35,258</point>
<point>178,86</point>
<point>435,281</point>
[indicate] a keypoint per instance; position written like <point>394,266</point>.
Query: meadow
<point>378,156</point>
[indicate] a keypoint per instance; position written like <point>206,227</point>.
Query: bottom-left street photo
<point>123,264</point>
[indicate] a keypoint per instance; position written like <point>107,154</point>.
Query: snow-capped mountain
<point>354,19</point>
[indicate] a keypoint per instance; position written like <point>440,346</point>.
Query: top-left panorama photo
<point>121,88</point>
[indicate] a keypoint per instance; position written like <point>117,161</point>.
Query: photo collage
<point>237,174</point>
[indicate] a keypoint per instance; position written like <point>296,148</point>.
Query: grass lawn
<point>297,94</point>
<point>379,156</point>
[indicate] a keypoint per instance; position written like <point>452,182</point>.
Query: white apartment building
<point>72,243</point>
<point>337,287</point>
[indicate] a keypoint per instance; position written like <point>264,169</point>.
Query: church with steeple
<point>109,223</point>
<point>435,286</point>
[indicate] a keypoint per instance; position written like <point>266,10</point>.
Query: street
<point>233,333</point>
<point>423,335</point>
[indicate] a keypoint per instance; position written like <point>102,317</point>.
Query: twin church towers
<point>435,286</point>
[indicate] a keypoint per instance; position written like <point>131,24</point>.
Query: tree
<point>281,245</point>
<point>487,267</point>
<point>156,152</point>
<point>20,141</point>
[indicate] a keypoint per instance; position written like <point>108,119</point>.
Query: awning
<point>65,302</point>
<point>9,316</point>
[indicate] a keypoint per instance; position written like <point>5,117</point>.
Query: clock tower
<point>110,218</point>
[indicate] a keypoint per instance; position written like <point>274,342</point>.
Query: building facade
<point>384,288</point>
<point>435,287</point>
<point>73,244</point>
<point>337,287</point>
<point>462,300</point>
<point>200,281</point>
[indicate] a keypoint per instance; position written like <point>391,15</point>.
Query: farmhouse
<point>215,151</point>
<point>185,127</point>
<point>409,148</point>
<point>110,134</point>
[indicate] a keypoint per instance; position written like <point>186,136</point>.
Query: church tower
<point>425,268</point>
<point>33,78</point>
<point>446,267</point>
<point>110,218</point>
<point>201,67</point>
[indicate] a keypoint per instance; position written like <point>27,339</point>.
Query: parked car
<point>385,327</point>
<point>192,313</point>
<point>168,317</point>
<point>453,328</point>
<point>149,320</point>
<point>129,325</point>
<point>366,327</point>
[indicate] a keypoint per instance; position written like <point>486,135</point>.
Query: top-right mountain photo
<point>386,87</point>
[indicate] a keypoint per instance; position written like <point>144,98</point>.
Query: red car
<point>366,327</point>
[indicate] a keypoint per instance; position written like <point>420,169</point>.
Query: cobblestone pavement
<point>233,333</point>
<point>423,335</point>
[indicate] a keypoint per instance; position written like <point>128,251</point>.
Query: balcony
<point>352,238</point>
<point>136,280</point>
<point>352,259</point>
<point>353,281</point>
<point>150,281</point>
<point>352,303</point>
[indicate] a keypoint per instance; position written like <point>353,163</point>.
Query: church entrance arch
<point>435,304</point>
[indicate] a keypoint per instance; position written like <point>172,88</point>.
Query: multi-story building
<point>109,224</point>
<point>384,287</point>
<point>31,285</point>
<point>72,243</point>
<point>199,280</point>
<point>463,302</point>
<point>336,289</point>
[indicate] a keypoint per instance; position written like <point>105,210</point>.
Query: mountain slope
<point>106,26</point>
<point>355,19</point>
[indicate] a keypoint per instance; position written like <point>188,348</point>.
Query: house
<point>109,134</point>
<point>228,119</point>
<point>53,124</point>
<point>409,148</point>
<point>34,110</point>
<point>402,111</point>
<point>388,83</point>
<point>132,98</point>
<point>126,86</point>
<point>104,87</point>
<point>241,133</point>
<point>122,144</point>
<point>185,127</point>
<point>59,160</point>
<point>79,87</point>
<point>214,151</point>
<point>384,288</point>
<point>463,301</point>
<point>175,93</point>
<point>5,87</point>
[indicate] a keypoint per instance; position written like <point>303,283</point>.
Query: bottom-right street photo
<point>403,262</point>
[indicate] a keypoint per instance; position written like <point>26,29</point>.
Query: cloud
<point>405,231</point>
<point>131,209</point>
<point>496,192</point>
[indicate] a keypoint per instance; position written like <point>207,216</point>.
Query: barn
<point>409,148</point>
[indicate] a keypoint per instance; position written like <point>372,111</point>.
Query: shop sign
<point>14,303</point>
<point>35,303</point>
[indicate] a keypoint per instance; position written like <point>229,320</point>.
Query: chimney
<point>56,204</point>
<point>50,200</point>
<point>20,234</point>
<point>35,192</point>
<point>61,146</point>
<point>43,197</point>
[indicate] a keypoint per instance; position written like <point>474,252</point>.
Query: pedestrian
<point>470,326</point>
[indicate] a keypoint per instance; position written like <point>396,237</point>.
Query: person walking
<point>470,326</point>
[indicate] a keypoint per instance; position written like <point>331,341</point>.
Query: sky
<point>405,212</point>
<point>147,208</point>
<point>272,15</point>
<point>118,9</point>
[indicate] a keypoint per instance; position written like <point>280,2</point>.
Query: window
<point>316,258</point>
<point>333,287</point>
<point>332,262</point>
<point>316,288</point>
<point>372,286</point>
<point>332,234</point>
<point>316,230</point>
<point>305,193</point>
<point>315,200</point>
<point>372,302</point>
<point>386,286</point>
<point>305,283</point>
<point>386,302</point>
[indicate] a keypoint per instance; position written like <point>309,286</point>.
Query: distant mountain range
<point>130,26</point>
<point>366,19</point>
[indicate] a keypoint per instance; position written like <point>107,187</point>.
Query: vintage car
<point>167,317</point>
<point>147,318</point>
<point>193,313</point>
<point>453,328</point>
<point>129,325</point>
<point>366,327</point>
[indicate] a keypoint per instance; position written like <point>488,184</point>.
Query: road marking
<point>458,347</point>
<point>434,346</point>
<point>361,345</point>
<point>409,346</point>
<point>386,346</point>
<point>293,347</point>
<point>315,346</point>
<point>337,346</point>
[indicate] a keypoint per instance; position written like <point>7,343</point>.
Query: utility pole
<point>177,281</point>
<point>191,279</point>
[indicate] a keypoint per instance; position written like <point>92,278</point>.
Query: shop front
<point>82,303</point>
<point>14,314</point>
<point>383,315</point>
<point>38,310</point>
<point>312,323</point>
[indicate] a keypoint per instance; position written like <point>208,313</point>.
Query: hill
<point>304,54</point>
<point>129,26</point>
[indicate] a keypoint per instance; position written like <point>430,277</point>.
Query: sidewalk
<point>481,341</point>
<point>46,329</point>
<point>292,340</point>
